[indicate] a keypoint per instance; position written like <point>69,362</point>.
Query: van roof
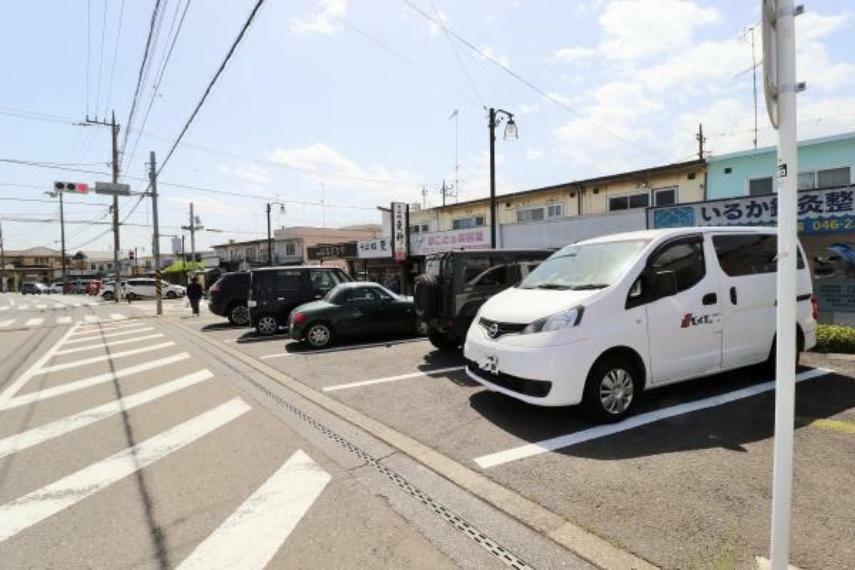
<point>651,235</point>
<point>275,267</point>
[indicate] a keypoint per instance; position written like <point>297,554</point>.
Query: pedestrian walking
<point>194,294</point>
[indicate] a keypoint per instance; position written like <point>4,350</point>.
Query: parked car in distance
<point>228,295</point>
<point>455,284</point>
<point>55,288</point>
<point>275,291</point>
<point>108,291</point>
<point>93,287</point>
<point>139,288</point>
<point>30,288</point>
<point>353,309</point>
<point>603,319</point>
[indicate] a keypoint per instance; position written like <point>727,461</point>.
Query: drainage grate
<point>504,555</point>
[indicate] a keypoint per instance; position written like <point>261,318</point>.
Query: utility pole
<point>155,245</point>
<point>701,141</point>
<point>444,190</point>
<point>62,241</point>
<point>754,70</point>
<point>192,235</point>
<point>3,261</point>
<point>424,196</point>
<point>492,178</point>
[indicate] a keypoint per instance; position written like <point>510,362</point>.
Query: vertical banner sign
<point>399,231</point>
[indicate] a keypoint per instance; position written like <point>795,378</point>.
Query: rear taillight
<point>814,307</point>
<point>298,318</point>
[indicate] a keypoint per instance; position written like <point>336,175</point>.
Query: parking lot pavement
<point>685,482</point>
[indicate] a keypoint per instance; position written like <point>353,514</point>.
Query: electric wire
<point>101,59</point>
<point>115,56</point>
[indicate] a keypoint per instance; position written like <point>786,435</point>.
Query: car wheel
<point>171,294</point>
<point>771,364</point>
<point>319,335</point>
<point>443,341</point>
<point>422,328</point>
<point>612,389</point>
<point>108,296</point>
<point>239,315</point>
<point>267,325</point>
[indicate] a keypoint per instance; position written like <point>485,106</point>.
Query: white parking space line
<point>561,441</point>
<point>392,378</point>
<point>23,307</point>
<point>51,499</point>
<point>47,393</point>
<point>43,433</point>
<point>6,323</point>
<point>124,331</point>
<point>63,320</point>
<point>94,359</point>
<point>34,322</point>
<point>309,352</point>
<point>252,534</point>
<point>109,344</point>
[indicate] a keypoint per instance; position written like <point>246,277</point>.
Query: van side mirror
<point>636,290</point>
<point>665,284</point>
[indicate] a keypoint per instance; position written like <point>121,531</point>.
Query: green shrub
<point>835,338</point>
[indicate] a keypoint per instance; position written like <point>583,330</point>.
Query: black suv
<point>455,284</point>
<point>275,291</point>
<point>228,295</point>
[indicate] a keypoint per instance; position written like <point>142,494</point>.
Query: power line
<point>88,48</point>
<point>140,74</point>
<point>115,54</point>
<point>101,58</point>
<point>459,59</point>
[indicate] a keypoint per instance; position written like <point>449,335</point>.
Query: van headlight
<point>564,319</point>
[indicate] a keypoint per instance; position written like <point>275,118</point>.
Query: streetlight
<point>55,194</point>
<point>496,117</point>
<point>269,236</point>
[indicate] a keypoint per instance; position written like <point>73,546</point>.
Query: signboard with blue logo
<point>827,211</point>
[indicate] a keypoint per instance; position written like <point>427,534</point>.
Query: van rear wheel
<point>267,325</point>
<point>611,389</point>
<point>443,340</point>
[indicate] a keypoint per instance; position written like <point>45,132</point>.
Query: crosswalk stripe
<point>26,511</point>
<point>47,393</point>
<point>34,322</point>
<point>118,316</point>
<point>6,308</point>
<point>41,306</point>
<point>120,332</point>
<point>63,320</point>
<point>91,319</point>
<point>108,344</point>
<point>43,433</point>
<point>94,359</point>
<point>6,323</point>
<point>23,307</point>
<point>97,327</point>
<point>251,535</point>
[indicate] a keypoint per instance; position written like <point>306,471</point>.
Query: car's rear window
<point>749,254</point>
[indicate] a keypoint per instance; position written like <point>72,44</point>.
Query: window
<point>530,215</point>
<point>807,180</point>
<point>665,196</point>
<point>324,280</point>
<point>473,267</point>
<point>364,295</point>
<point>419,228</point>
<point>749,254</point>
<point>555,210</point>
<point>833,177</point>
<point>619,203</point>
<point>467,223</point>
<point>685,259</point>
<point>290,248</point>
<point>287,280</point>
<point>492,276</point>
<point>760,186</point>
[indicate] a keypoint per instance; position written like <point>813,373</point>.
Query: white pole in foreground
<point>785,358</point>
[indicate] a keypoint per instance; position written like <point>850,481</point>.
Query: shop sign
<point>374,248</point>
<point>331,251</point>
<point>399,231</point>
<point>436,242</point>
<point>820,212</point>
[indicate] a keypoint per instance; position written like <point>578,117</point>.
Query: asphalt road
<point>127,442</point>
<point>686,483</point>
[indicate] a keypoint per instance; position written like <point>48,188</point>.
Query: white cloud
<point>533,154</point>
<point>325,19</point>
<point>529,109</point>
<point>636,29</point>
<point>811,26</point>
<point>491,53</point>
<point>574,54</point>
<point>699,65</point>
<point>815,67</point>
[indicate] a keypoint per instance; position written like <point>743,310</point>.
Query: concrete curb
<point>572,537</point>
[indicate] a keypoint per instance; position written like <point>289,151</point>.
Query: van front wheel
<point>611,389</point>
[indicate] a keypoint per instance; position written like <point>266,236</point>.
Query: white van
<point>603,319</point>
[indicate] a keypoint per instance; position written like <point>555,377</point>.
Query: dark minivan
<point>227,297</point>
<point>275,291</point>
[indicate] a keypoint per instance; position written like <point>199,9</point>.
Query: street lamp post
<point>496,117</point>
<point>269,235</point>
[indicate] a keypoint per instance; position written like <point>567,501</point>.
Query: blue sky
<point>355,98</point>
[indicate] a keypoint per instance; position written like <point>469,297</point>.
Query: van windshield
<point>584,266</point>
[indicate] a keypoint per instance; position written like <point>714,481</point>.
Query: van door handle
<point>733,295</point>
<point>710,299</point>
<point>280,298</point>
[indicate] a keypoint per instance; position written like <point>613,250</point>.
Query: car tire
<point>422,328</point>
<point>318,335</point>
<point>171,294</point>
<point>425,296</point>
<point>771,365</point>
<point>612,389</point>
<point>108,296</point>
<point>238,315</point>
<point>267,325</point>
<point>443,340</point>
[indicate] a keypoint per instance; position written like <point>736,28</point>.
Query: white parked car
<point>55,289</point>
<point>145,287</point>
<point>603,319</point>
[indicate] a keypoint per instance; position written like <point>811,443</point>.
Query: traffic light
<point>76,187</point>
<point>131,254</point>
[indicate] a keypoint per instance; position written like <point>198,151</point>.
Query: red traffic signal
<point>77,187</point>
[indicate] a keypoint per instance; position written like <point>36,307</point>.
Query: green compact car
<point>357,309</point>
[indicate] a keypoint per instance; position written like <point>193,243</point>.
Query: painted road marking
<point>41,306</point>
<point>108,344</point>
<point>43,433</point>
<point>6,323</point>
<point>118,316</point>
<point>309,352</point>
<point>562,441</point>
<point>30,397</point>
<point>26,511</point>
<point>6,308</point>
<point>91,319</point>
<point>250,536</point>
<point>392,378</point>
<point>34,322</point>
<point>102,358</point>
<point>122,332</point>
<point>840,426</point>
<point>99,328</point>
<point>23,307</point>
<point>63,320</point>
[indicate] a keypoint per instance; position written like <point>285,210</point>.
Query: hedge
<point>835,338</point>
